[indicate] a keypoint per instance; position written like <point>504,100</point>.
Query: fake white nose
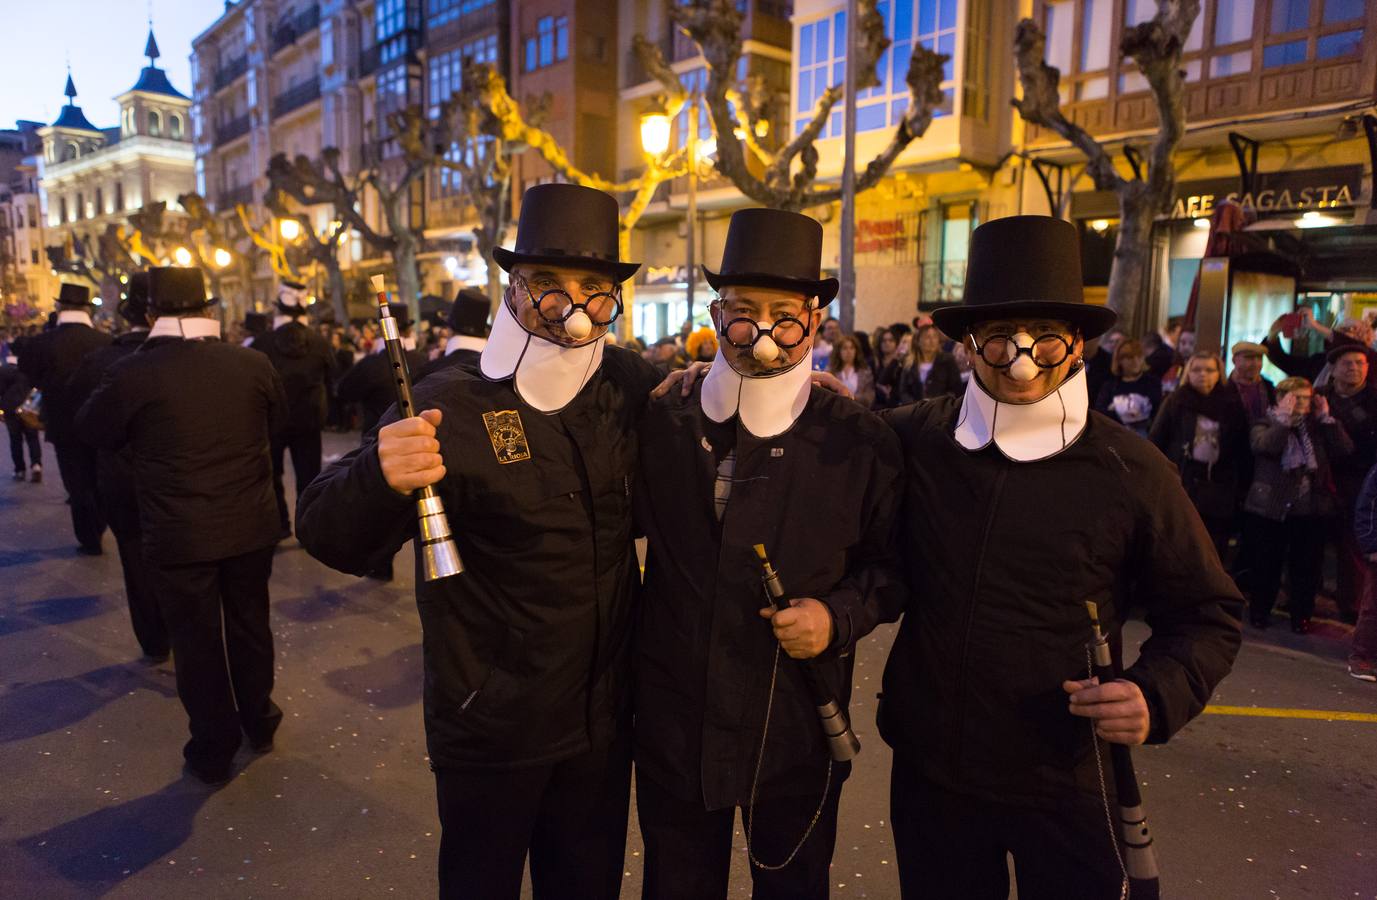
<point>1023,369</point>
<point>578,326</point>
<point>766,350</point>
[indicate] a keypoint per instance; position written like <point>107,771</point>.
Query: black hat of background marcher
<point>469,314</point>
<point>402,313</point>
<point>257,322</point>
<point>1026,267</point>
<point>290,309</point>
<point>177,289</point>
<point>567,225</point>
<point>74,296</point>
<point>773,248</point>
<point>133,308</point>
<point>1333,355</point>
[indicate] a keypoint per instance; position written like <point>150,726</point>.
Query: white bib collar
<point>191,328</point>
<point>465,342</point>
<point>73,317</point>
<point>380,344</point>
<point>546,375</point>
<point>767,406</point>
<point>279,320</point>
<point>1025,432</point>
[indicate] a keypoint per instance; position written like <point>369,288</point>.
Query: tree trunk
<point>408,278</point>
<point>1132,251</point>
<point>339,300</point>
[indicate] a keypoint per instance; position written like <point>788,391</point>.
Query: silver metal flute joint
<point>439,554</point>
<point>842,742</point>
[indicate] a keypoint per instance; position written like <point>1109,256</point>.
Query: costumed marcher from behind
<point>306,365</point>
<point>995,723</point>
<point>49,360</point>
<point>199,415</point>
<point>468,319</point>
<point>723,719</point>
<point>14,392</point>
<point>526,652</point>
<point>369,381</point>
<point>118,486</point>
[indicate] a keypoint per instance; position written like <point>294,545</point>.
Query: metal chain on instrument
<point>1104,790</point>
<point>755,782</point>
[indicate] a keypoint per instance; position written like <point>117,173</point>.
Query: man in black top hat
<point>369,381</point>
<point>49,360</point>
<point>118,489</point>
<point>468,319</point>
<point>719,473</point>
<point>306,365</point>
<point>255,324</point>
<point>526,651</point>
<point>1044,505</point>
<point>198,414</point>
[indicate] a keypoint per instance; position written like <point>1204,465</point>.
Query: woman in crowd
<point>929,371</point>
<point>1290,502</point>
<point>888,367</point>
<point>1203,429</point>
<point>1132,395</point>
<point>851,370</point>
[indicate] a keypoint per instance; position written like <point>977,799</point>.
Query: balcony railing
<point>289,31</point>
<point>295,98</point>
<point>234,128</point>
<point>232,197</point>
<point>226,74</point>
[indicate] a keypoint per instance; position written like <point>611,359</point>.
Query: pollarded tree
<point>1156,47</point>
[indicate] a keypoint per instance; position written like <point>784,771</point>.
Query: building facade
<point>26,279</point>
<point>91,177</point>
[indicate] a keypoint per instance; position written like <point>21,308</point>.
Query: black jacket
<point>199,415</point>
<point>49,360</point>
<point>1214,488</point>
<point>467,358</point>
<point>118,494</point>
<point>944,379</point>
<point>1145,385</point>
<point>526,652</point>
<point>703,654</point>
<point>306,365</point>
<point>1358,415</point>
<point>369,383</point>
<point>14,388</point>
<point>1001,558</point>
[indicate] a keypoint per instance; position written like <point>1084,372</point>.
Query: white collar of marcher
<point>465,342</point>
<point>408,343</point>
<point>189,328</point>
<point>279,320</point>
<point>768,406</point>
<point>73,317</point>
<point>1025,432</point>
<point>546,375</point>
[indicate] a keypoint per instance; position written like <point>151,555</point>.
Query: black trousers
<point>224,671</point>
<point>19,437</point>
<point>1296,545</point>
<point>305,449</point>
<point>688,849</point>
<point>76,463</point>
<point>571,816</point>
<point>953,846</point>
<point>144,613</point>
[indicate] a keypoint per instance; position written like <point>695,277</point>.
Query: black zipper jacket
<point>1001,558</point>
<point>526,652</point>
<point>822,498</point>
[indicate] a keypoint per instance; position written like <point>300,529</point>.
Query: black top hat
<point>773,248</point>
<point>257,322</point>
<point>74,295</point>
<point>469,314</point>
<point>567,225</point>
<point>402,313</point>
<point>1024,267</point>
<point>1350,347</point>
<point>294,285</point>
<point>134,307</point>
<point>174,289</point>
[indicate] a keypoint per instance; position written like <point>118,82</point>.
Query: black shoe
<point>1300,626</point>
<point>210,773</point>
<point>20,476</point>
<point>90,550</point>
<point>36,474</point>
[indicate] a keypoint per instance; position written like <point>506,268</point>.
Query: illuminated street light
<point>182,255</point>
<point>222,257</point>
<point>290,229</point>
<point>1202,223</point>
<point>655,133</point>
<point>1100,226</point>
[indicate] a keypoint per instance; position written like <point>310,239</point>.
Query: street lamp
<point>290,229</point>
<point>655,131</point>
<point>182,255</point>
<point>222,257</point>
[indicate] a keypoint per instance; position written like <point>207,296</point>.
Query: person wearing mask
<point>846,363</point>
<point>468,319</point>
<point>1097,366</point>
<point>1203,430</point>
<point>1290,505</point>
<point>118,488</point>
<point>199,415</point>
<point>987,698</point>
<point>733,465</point>
<point>49,360</point>
<point>14,390</point>
<point>1353,401</point>
<point>1132,394</point>
<point>1255,392</point>
<point>929,371</point>
<point>306,365</point>
<point>1164,352</point>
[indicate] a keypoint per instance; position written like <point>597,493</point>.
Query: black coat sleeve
<point>873,590</point>
<point>348,518</point>
<point>1191,604</point>
<point>1163,430</point>
<point>103,420</point>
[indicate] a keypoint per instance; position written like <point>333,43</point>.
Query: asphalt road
<point>95,804</point>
